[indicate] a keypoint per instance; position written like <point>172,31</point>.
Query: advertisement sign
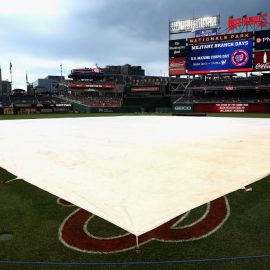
<point>183,108</point>
<point>145,89</point>
<point>232,56</point>
<point>239,107</point>
<point>262,61</point>
<point>46,110</point>
<point>218,38</point>
<point>8,110</point>
<point>262,40</point>
<point>100,86</point>
<point>27,110</point>
<point>190,25</point>
<point>22,105</point>
<point>177,48</point>
<point>259,20</point>
<point>230,88</point>
<point>177,66</point>
<point>206,32</point>
<point>63,105</point>
<point>231,108</point>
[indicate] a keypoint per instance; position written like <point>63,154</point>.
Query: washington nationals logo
<point>239,58</point>
<point>73,232</point>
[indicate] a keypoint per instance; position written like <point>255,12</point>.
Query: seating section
<point>23,99</point>
<point>114,101</point>
<point>235,96</point>
<point>49,99</point>
<point>5,101</point>
<point>214,82</point>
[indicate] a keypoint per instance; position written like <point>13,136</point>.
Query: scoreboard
<point>230,56</point>
<point>237,52</point>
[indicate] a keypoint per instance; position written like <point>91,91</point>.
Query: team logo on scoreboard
<point>239,58</point>
<point>258,40</point>
<point>262,40</point>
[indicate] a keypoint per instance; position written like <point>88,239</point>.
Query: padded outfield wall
<point>222,108</point>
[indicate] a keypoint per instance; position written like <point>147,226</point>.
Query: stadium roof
<point>137,172</point>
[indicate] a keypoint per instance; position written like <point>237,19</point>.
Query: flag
<point>10,66</point>
<point>26,77</point>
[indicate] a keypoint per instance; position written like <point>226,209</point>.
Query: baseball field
<point>40,231</point>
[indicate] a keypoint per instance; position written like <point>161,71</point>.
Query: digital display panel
<point>177,48</point>
<point>262,40</point>
<point>231,56</point>
<point>231,107</point>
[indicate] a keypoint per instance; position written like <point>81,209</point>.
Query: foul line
<point>8,181</point>
<point>139,263</point>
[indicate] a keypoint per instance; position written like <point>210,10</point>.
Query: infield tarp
<point>137,172</point>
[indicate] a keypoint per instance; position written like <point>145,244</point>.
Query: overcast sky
<point>39,35</point>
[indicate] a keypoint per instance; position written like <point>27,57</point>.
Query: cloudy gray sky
<point>39,35</point>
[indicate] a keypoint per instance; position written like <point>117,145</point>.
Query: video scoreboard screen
<point>229,56</point>
<point>237,52</point>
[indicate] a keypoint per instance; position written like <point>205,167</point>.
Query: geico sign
<point>183,108</point>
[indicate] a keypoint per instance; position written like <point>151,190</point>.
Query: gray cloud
<point>113,32</point>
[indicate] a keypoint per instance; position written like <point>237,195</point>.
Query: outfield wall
<point>222,108</point>
<point>232,107</point>
<point>147,104</point>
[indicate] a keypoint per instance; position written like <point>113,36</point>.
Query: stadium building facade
<point>203,75</point>
<point>48,84</point>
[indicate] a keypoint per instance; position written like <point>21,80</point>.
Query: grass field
<point>30,219</point>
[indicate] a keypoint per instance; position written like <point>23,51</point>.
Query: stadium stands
<point>149,93</point>
<point>94,100</point>
<point>23,99</point>
<point>234,96</point>
<point>5,100</point>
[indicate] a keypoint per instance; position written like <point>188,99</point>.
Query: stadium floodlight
<point>190,25</point>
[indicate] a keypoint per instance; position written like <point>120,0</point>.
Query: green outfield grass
<point>33,217</point>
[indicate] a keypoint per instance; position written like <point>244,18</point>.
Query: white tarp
<point>137,172</point>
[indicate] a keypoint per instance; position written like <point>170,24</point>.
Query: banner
<point>177,66</point>
<point>145,89</point>
<point>262,40</point>
<point>177,48</point>
<point>262,61</point>
<point>206,32</point>
<point>219,38</point>
<point>100,86</point>
<point>232,56</point>
<point>231,107</point>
